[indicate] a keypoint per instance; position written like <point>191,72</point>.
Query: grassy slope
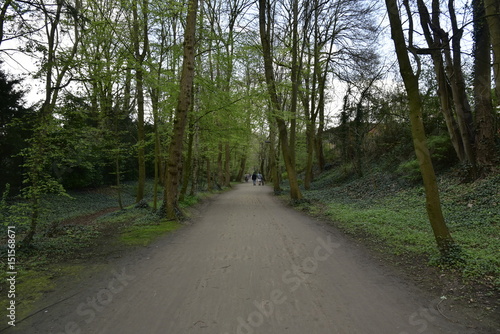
<point>392,214</point>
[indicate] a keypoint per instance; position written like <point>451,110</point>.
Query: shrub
<point>410,170</point>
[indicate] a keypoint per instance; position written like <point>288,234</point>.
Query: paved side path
<point>248,265</point>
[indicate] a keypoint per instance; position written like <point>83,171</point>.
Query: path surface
<point>248,265</point>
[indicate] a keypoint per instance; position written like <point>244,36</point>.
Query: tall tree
<point>56,65</point>
<point>430,27</point>
<point>492,12</point>
<point>265,36</point>
<point>174,164</point>
<point>442,235</point>
<point>485,135</point>
<point>141,48</point>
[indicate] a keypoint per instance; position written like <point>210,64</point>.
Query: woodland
<point>183,97</point>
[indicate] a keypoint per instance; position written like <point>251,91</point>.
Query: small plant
<point>410,170</point>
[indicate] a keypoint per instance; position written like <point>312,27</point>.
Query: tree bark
<point>186,89</point>
<point>187,173</point>
<point>485,130</point>
<point>492,11</point>
<point>441,233</point>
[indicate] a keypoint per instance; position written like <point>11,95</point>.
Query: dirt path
<point>247,265</point>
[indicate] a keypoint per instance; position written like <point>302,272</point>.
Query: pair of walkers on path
<point>257,178</point>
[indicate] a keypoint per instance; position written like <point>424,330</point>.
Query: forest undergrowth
<point>387,213</point>
<point>76,234</point>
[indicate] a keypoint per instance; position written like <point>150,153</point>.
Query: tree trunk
<point>295,193</point>
<point>485,130</point>
<point>220,168</point>
<point>209,176</point>
<point>321,124</point>
<point>295,80</point>
<point>273,162</point>
<point>140,55</point>
<point>243,162</point>
<point>492,10</point>
<point>187,173</point>
<point>227,165</point>
<point>196,164</point>
<point>141,136</point>
<point>430,28</point>
<point>186,89</point>
<point>462,106</point>
<point>308,177</point>
<point>442,235</point>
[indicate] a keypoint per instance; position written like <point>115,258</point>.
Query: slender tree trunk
<point>243,162</point>
<point>118,181</point>
<point>462,106</point>
<point>441,233</point>
<point>295,79</point>
<point>295,193</point>
<point>492,11</point>
<point>445,99</point>
<point>220,169</point>
<point>196,164</point>
<point>140,55</point>
<point>485,130</point>
<point>157,148</point>
<point>310,142</point>
<point>273,161</point>
<point>186,89</point>
<point>227,165</point>
<point>141,136</point>
<point>209,176</point>
<point>320,154</point>
<point>431,27</point>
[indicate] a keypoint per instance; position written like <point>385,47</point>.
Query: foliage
<point>16,122</point>
<point>410,170</point>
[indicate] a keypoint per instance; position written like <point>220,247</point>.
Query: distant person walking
<point>260,179</point>
<point>254,178</point>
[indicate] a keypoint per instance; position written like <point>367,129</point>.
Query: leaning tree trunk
<point>442,235</point>
<point>431,28</point>
<point>183,104</point>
